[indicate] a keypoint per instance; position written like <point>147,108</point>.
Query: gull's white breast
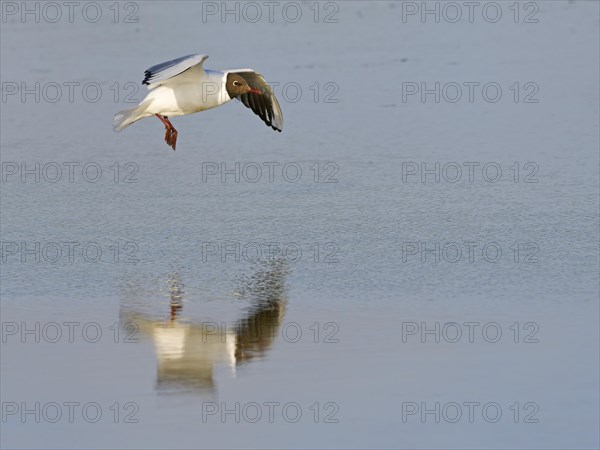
<point>186,95</point>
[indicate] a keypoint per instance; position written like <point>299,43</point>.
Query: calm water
<point>340,300</point>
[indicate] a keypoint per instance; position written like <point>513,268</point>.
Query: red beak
<point>254,91</point>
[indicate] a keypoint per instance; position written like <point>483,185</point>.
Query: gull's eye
<point>236,83</point>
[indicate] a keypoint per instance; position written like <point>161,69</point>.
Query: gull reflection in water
<point>187,351</point>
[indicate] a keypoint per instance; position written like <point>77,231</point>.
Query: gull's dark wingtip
<point>147,75</point>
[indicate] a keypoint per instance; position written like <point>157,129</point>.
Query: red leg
<point>170,131</point>
<point>173,138</point>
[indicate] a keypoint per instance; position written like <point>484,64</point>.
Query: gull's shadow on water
<point>187,351</point>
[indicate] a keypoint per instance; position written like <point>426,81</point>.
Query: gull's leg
<point>173,138</point>
<point>167,128</point>
<point>170,131</point>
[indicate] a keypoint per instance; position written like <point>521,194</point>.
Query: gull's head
<point>236,85</point>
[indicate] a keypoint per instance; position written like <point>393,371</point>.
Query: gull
<point>182,86</point>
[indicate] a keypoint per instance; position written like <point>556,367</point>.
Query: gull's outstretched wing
<point>264,105</point>
<point>191,64</point>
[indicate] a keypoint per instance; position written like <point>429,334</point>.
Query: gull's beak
<point>253,91</point>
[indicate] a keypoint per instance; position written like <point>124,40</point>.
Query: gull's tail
<point>126,117</point>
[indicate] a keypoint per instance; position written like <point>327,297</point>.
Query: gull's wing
<point>264,105</point>
<point>191,64</point>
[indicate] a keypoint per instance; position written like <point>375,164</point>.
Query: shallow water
<point>340,300</point>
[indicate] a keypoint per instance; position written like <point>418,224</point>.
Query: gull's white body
<point>182,95</point>
<point>188,93</point>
